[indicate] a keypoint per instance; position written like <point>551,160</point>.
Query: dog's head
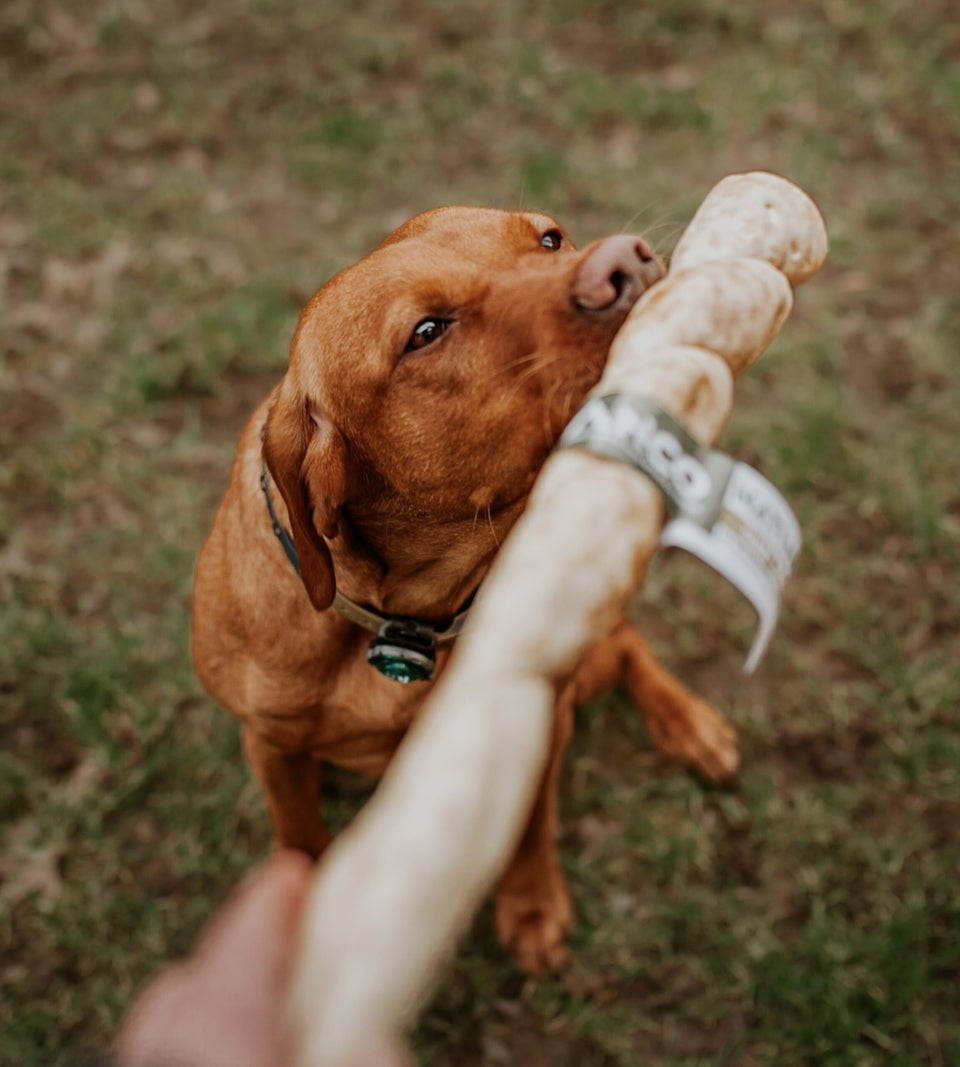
<point>430,380</point>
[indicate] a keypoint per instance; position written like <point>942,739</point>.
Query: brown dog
<point>426,386</point>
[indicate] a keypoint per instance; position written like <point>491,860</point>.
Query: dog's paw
<point>697,736</point>
<point>533,925</point>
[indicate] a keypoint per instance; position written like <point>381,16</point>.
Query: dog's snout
<point>614,273</point>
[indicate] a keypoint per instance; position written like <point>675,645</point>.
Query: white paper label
<point>753,544</point>
<point>725,513</point>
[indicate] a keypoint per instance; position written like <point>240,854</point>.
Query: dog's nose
<point>614,273</point>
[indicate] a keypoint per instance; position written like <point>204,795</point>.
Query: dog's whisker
<point>493,529</point>
<point>630,224</point>
<point>548,407</point>
<point>531,359</point>
<point>569,407</point>
<point>536,364</point>
<point>661,231</point>
<point>534,369</point>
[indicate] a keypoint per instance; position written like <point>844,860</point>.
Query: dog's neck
<point>402,566</point>
<point>399,564</point>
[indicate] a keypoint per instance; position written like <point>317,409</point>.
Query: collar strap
<point>374,620</point>
<point>282,536</point>
<point>404,648</point>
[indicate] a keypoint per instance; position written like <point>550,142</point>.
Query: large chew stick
<point>395,892</point>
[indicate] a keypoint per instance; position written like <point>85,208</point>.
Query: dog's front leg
<point>684,727</point>
<point>681,724</point>
<point>533,910</point>
<point>291,782</point>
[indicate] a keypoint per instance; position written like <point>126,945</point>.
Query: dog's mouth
<point>609,281</point>
<point>651,271</point>
<point>630,287</point>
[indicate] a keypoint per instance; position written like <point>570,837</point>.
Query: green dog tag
<point>404,651</point>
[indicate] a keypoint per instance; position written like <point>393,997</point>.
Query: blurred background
<point>175,181</point>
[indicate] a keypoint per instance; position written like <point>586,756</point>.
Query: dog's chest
<point>345,712</point>
<point>365,719</point>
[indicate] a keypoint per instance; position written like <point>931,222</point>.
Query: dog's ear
<point>307,457</point>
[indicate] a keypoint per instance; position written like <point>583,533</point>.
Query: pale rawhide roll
<point>759,215</point>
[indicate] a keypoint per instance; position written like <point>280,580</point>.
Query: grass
<point>174,184</point>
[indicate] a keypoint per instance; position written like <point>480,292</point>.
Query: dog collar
<point>404,649</point>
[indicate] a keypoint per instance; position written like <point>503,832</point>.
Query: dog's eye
<point>552,240</point>
<point>425,333</point>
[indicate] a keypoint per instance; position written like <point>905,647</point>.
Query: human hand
<point>224,1005</point>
